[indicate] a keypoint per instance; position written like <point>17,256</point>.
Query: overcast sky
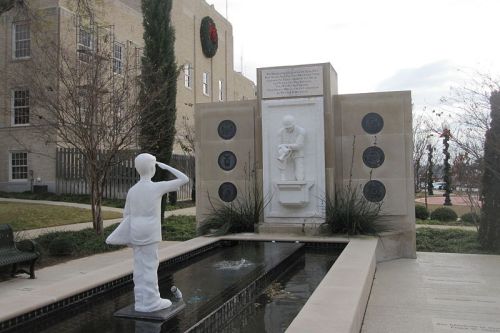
<point>381,45</point>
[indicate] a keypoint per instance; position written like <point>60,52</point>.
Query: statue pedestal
<point>293,193</point>
<point>160,315</point>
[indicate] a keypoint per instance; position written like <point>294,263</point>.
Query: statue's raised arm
<point>175,184</point>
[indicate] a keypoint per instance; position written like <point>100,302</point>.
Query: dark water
<point>276,308</point>
<point>206,282</point>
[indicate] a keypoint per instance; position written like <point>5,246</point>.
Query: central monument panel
<point>293,144</point>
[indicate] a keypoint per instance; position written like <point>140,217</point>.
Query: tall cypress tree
<point>489,227</point>
<point>158,84</point>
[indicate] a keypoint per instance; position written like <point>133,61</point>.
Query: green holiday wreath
<point>209,37</point>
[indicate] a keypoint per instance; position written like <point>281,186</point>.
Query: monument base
<point>293,193</point>
<point>160,315</point>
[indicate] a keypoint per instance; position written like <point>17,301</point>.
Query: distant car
<point>438,185</point>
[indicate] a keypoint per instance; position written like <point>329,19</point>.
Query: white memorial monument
<point>303,141</point>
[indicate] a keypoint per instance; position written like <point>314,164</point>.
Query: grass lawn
<point>449,241</point>
<point>84,199</point>
<point>22,216</point>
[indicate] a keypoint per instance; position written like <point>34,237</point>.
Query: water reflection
<point>276,308</point>
<point>147,326</point>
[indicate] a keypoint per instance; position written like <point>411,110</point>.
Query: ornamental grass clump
<point>351,213</point>
<point>241,215</point>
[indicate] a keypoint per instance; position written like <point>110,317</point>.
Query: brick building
<point>25,159</point>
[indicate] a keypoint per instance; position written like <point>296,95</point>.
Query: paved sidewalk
<point>437,292</point>
<point>441,227</point>
<point>439,200</point>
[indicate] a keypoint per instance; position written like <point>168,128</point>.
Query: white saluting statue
<point>141,230</point>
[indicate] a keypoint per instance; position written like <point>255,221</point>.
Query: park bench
<point>16,253</point>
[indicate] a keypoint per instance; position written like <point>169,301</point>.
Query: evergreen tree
<point>158,84</point>
<point>489,228</point>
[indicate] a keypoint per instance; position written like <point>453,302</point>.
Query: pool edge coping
<point>339,302</point>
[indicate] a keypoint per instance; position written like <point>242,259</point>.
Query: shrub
<point>172,198</point>
<point>60,247</point>
<point>421,212</point>
<point>351,213</point>
<point>444,214</point>
<point>179,228</point>
<point>447,240</point>
<point>472,218</point>
<point>83,242</point>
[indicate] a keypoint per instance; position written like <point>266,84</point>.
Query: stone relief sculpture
<point>141,230</point>
<point>291,150</point>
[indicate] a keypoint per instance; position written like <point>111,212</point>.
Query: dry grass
<point>22,216</point>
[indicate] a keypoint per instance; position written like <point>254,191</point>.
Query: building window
<point>85,44</point>
<point>118,58</point>
<point>188,76</point>
<point>21,39</point>
<point>21,107</point>
<point>18,165</point>
<point>206,78</point>
<point>221,91</point>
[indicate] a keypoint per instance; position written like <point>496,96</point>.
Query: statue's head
<point>145,164</point>
<point>288,122</point>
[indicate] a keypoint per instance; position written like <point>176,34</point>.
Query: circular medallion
<point>372,123</point>
<point>374,191</point>
<point>226,129</point>
<point>373,157</point>
<point>209,37</point>
<point>227,160</point>
<point>227,192</point>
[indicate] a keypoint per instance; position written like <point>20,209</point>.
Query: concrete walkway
<point>438,293</point>
<point>441,227</point>
<point>33,233</point>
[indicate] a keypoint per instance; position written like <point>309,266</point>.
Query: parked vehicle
<point>438,185</point>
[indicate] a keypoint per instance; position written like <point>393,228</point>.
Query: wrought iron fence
<point>71,177</point>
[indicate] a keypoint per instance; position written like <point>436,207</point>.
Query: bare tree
<point>421,135</point>
<point>82,94</point>
<point>469,107</point>
<point>186,136</point>
<point>467,175</point>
